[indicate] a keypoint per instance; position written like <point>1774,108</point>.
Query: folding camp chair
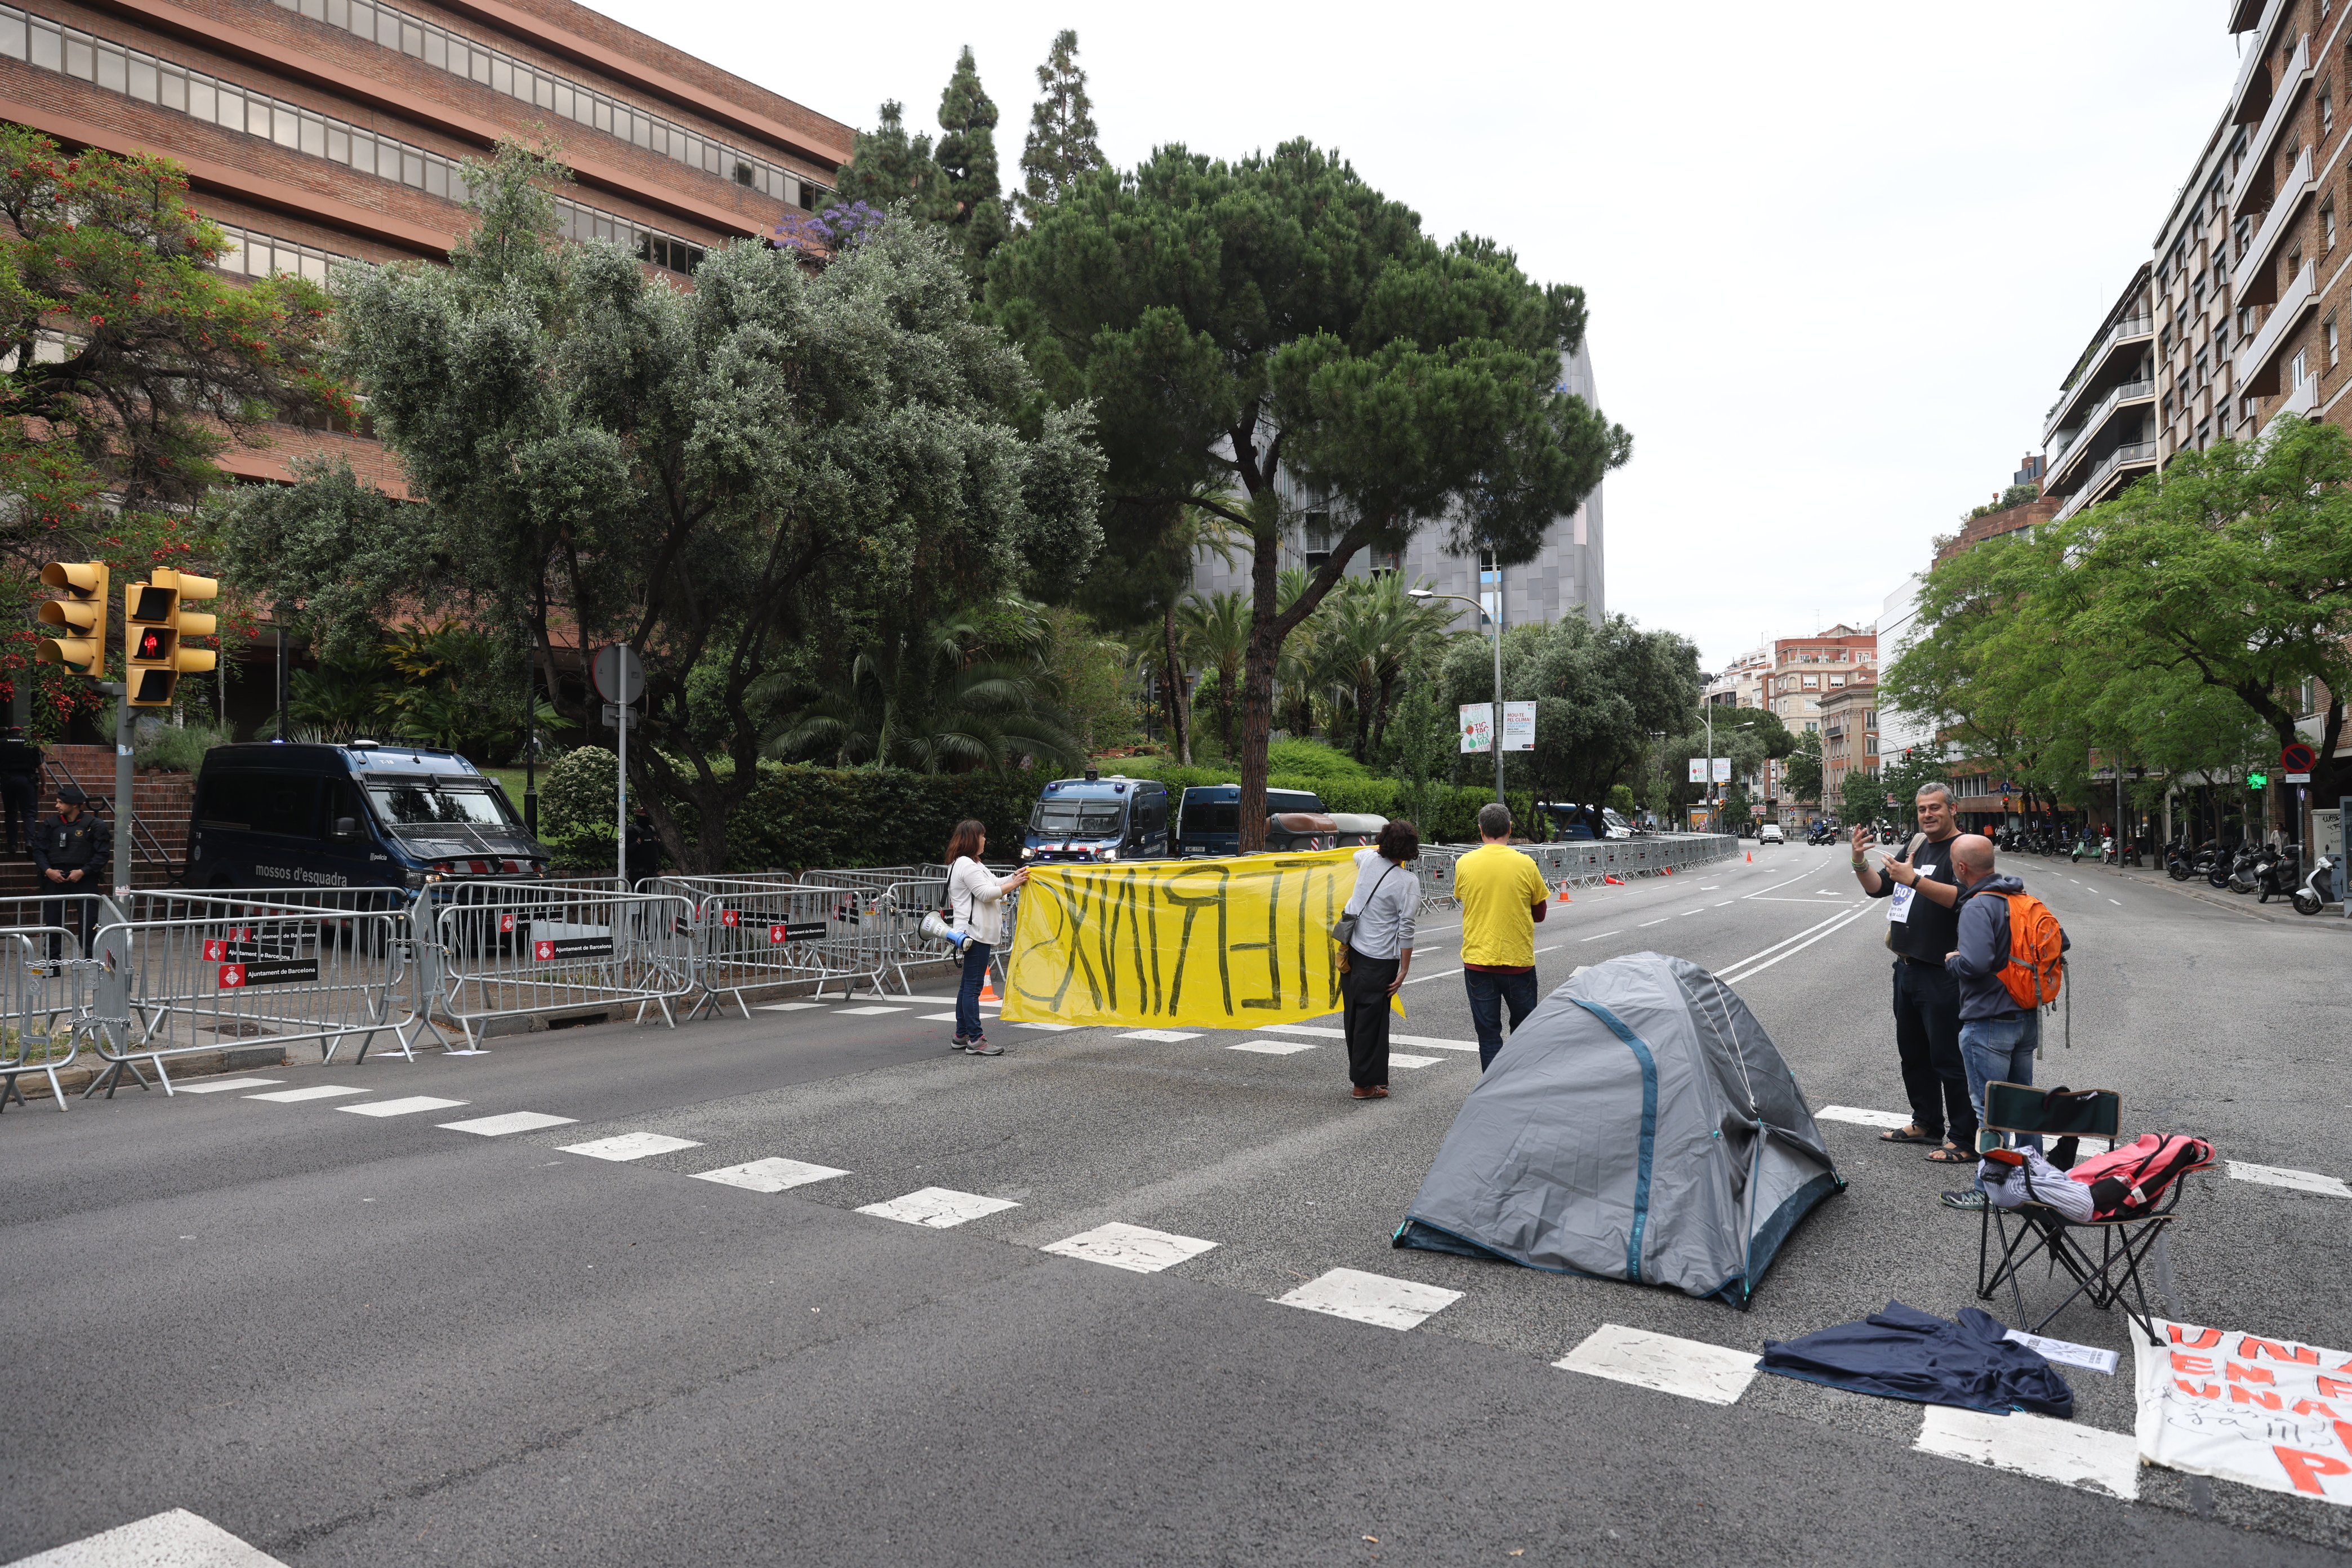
<point>2125,1242</point>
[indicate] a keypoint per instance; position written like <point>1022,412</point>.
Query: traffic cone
<point>1751,856</point>
<point>988,988</point>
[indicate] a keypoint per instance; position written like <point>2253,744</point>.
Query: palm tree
<point>1214,629</point>
<point>1370,633</point>
<point>970,692</point>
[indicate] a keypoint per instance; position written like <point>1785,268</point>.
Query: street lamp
<point>1714,816</point>
<point>1496,736</point>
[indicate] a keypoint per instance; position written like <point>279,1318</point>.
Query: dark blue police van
<point>1097,818</point>
<point>358,815</point>
<point>1210,823</point>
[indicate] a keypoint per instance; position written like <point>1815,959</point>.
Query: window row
<point>46,44</point>
<point>501,72</point>
<point>252,254</point>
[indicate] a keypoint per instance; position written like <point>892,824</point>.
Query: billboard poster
<point>1477,726</point>
<point>1518,726</point>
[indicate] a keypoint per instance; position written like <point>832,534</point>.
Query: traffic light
<point>154,630</point>
<point>80,643</point>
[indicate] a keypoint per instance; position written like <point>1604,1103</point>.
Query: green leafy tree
<point>887,167</point>
<point>724,478</point>
<point>128,365</point>
<point>1237,323</point>
<point>1599,693</point>
<point>967,156</point>
<point>1061,149</point>
<point>1803,775</point>
<point>1216,632</point>
<point>1861,798</point>
<point>1369,633</point>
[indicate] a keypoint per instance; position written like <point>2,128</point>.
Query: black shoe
<point>1970,1200</point>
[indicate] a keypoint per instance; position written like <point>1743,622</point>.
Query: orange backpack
<point>2037,953</point>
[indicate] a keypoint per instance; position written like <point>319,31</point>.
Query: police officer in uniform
<point>20,792</point>
<point>71,851</point>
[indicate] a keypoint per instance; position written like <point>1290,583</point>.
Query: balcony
<point>2121,465</point>
<point>2258,148</point>
<point>2256,48</point>
<point>2256,285</point>
<point>2252,377</point>
<point>2122,335</point>
<point>2130,394</point>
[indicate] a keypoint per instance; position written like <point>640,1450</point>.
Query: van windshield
<point>422,804</point>
<point>1079,818</point>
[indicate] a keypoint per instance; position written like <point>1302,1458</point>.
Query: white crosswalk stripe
<point>2061,1451</point>
<point>2294,1181</point>
<point>1427,1042</point>
<point>939,1207</point>
<point>174,1540</point>
<point>1690,1368</point>
<point>1860,1117</point>
<point>316,1092</point>
<point>1274,1048</point>
<point>1130,1247</point>
<point>629,1146</point>
<point>770,1175</point>
<point>1164,1036</point>
<point>408,1107</point>
<point>223,1084</point>
<point>512,1121</point>
<point>1372,1298</point>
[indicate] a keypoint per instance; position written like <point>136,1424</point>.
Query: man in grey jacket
<point>1998,1038</point>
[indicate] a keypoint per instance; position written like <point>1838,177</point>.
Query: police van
<point>1097,818</point>
<point>364,814</point>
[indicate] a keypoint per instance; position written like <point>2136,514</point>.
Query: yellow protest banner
<point>1209,944</point>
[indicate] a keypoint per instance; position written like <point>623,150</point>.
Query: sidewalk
<point>2276,913</point>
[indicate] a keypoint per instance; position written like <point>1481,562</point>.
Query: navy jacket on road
<point>1903,1353</point>
<point>1982,951</point>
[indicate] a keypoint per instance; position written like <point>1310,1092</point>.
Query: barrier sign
<point>562,947</point>
<point>795,931</point>
<point>2267,1412</point>
<point>1212,945</point>
<point>267,971</point>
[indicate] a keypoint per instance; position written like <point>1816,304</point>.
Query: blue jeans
<point>1999,1050</point>
<point>1488,993</point>
<point>967,1008</point>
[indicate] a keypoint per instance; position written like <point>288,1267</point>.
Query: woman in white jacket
<point>1380,955</point>
<point>976,897</point>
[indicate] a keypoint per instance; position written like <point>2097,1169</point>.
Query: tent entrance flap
<point>1642,1126</point>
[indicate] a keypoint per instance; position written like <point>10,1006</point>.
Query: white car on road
<point>1769,834</point>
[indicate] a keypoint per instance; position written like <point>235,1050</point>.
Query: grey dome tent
<point>1640,1125</point>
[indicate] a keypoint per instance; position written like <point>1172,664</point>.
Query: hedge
<point>803,817</point>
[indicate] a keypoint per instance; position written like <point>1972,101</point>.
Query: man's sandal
<point>1951,1154</point>
<point>1908,1134</point>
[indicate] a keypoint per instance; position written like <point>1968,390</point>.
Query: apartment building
<point>1567,575</point>
<point>318,130</point>
<point>1742,683</point>
<point>1849,720</point>
<point>2100,435</point>
<point>1804,671</point>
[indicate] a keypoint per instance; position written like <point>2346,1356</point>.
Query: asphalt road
<point>347,1339</point>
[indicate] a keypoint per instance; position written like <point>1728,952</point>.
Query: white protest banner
<point>1477,726</point>
<point>1518,726</point>
<point>2267,1412</point>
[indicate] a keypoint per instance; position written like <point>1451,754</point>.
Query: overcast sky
<point>1839,257</point>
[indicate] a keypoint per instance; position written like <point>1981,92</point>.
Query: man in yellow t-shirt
<point>1502,896</point>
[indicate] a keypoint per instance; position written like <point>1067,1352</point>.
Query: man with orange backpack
<point>2009,965</point>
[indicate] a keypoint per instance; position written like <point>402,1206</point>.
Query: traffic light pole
<point>122,786</point>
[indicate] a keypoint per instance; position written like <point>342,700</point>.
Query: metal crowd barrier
<point>43,1001</point>
<point>751,935</point>
<point>501,950</point>
<point>1581,863</point>
<point>225,974</point>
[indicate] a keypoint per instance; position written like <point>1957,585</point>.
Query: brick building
<point>1804,671</point>
<point>316,131</point>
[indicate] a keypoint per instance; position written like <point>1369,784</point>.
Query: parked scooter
<point>2318,889</point>
<point>2246,873</point>
<point>2226,866</point>
<point>2280,874</point>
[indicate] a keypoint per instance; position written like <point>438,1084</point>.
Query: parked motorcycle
<point>2225,867</point>
<point>2318,888</point>
<point>2246,872</point>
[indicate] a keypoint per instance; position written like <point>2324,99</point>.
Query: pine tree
<point>1061,149</point>
<point>967,158</point>
<point>887,167</point>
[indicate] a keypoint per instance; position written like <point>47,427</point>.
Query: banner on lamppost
<point>1518,726</point>
<point>1723,770</point>
<point>1698,770</point>
<point>1477,726</point>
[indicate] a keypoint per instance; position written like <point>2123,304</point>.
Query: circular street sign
<point>2296,758</point>
<point>618,673</point>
